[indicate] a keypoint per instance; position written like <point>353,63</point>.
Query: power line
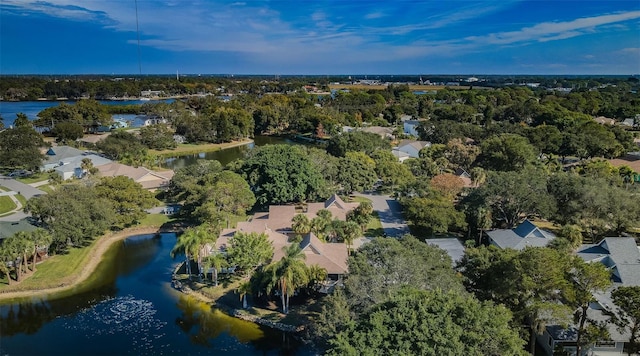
<point>138,34</point>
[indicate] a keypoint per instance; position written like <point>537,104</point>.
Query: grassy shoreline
<point>62,273</point>
<point>192,149</point>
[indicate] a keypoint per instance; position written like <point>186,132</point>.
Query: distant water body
<point>9,109</point>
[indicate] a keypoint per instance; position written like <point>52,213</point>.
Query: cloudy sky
<point>320,37</point>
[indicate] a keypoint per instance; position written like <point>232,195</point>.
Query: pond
<point>129,307</point>
<point>227,155</point>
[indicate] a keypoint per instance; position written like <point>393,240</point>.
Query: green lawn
<point>6,204</point>
<point>191,148</point>
<point>36,177</point>
<point>155,220</point>
<point>46,188</point>
<point>374,227</point>
<point>53,272</point>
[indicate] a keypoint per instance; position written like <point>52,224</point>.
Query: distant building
<point>410,127</point>
<point>384,132</point>
<point>151,93</point>
<point>411,147</point>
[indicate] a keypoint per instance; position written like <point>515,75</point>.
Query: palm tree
<point>186,244</point>
<point>193,241</point>
<point>7,254</point>
<point>478,176</point>
<point>41,240</point>
<point>321,223</point>
<point>25,247</point>
<point>288,274</point>
<point>350,231</point>
<point>215,261</point>
<point>317,275</point>
<point>243,290</point>
<point>13,250</point>
<point>301,224</point>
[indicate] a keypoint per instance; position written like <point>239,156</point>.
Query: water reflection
<point>227,155</point>
<point>204,324</point>
<point>128,307</point>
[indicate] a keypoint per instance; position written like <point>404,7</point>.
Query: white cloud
<point>374,15</point>
<point>551,31</point>
<point>632,50</point>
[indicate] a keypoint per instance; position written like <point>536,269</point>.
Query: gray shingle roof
<point>620,254</point>
<point>524,235</point>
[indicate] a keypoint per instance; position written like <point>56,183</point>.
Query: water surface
<point>130,308</point>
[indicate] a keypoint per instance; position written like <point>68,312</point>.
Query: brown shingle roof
<point>632,161</point>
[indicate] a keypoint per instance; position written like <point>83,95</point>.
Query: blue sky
<point>320,37</point>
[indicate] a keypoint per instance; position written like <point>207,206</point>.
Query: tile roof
<point>330,256</point>
<point>277,225</point>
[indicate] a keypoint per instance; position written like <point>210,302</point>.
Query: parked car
<point>20,173</point>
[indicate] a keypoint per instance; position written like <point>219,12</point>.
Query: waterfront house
<point>147,178</point>
<point>276,224</point>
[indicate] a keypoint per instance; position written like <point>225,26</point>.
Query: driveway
<point>18,188</point>
<point>26,190</point>
<point>390,213</point>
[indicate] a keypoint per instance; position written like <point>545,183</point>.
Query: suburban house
<point>410,127</point>
<point>621,256</point>
<point>465,176</point>
<point>604,120</point>
<point>410,147</point>
<point>147,178</point>
<point>384,132</point>
<point>151,93</point>
<point>453,247</point>
<point>9,228</point>
<point>524,235</point>
<point>67,163</point>
<point>631,160</point>
<point>72,166</point>
<point>149,120</point>
<point>401,156</point>
<point>276,224</point>
<point>55,156</point>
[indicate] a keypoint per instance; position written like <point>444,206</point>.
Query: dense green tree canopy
<point>433,214</point>
<point>514,196</point>
<point>506,152</point>
<point>357,172</point>
<point>130,200</point>
<point>430,323</point>
<point>123,146</point>
<point>383,266</point>
<point>358,141</point>
<point>20,148</point>
<point>74,213</point>
<point>247,251</point>
<point>157,137</point>
<point>67,131</point>
<point>280,174</point>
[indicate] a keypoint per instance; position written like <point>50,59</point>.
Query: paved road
<point>390,213</point>
<point>26,190</point>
